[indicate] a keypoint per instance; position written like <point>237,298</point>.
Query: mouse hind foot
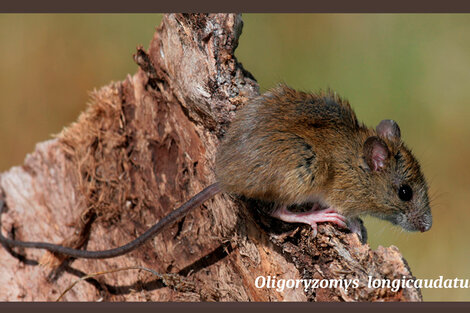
<point>311,217</point>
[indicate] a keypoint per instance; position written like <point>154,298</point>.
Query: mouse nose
<point>423,228</point>
<point>425,222</point>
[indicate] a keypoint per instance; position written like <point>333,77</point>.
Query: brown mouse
<point>289,148</point>
<point>294,147</point>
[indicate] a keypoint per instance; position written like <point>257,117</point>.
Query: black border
<point>259,6</point>
<point>153,307</point>
<point>265,6</point>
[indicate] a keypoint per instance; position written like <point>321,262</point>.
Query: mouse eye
<point>405,193</point>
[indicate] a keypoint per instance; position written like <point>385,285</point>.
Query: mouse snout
<point>424,227</point>
<point>424,222</point>
<point>417,221</point>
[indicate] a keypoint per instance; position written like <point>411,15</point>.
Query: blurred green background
<point>412,68</point>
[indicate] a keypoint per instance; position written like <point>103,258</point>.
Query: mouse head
<point>401,192</point>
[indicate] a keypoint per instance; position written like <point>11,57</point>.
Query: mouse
<point>289,147</point>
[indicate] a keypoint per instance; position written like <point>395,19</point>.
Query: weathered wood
<point>143,146</point>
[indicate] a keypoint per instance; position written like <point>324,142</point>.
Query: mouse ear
<point>376,153</point>
<point>388,129</point>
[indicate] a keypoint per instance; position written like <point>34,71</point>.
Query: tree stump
<point>143,146</point>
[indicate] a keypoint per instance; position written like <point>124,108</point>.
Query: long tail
<point>174,216</point>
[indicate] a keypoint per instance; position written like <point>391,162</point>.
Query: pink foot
<point>311,217</point>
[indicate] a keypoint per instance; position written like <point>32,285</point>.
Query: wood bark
<point>143,146</point>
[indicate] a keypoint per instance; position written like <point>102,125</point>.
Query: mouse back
<point>277,146</point>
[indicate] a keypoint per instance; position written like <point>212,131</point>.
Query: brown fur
<point>293,147</point>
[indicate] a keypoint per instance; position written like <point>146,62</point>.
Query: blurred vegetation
<point>412,68</point>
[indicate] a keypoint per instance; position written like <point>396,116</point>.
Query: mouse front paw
<point>356,225</point>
